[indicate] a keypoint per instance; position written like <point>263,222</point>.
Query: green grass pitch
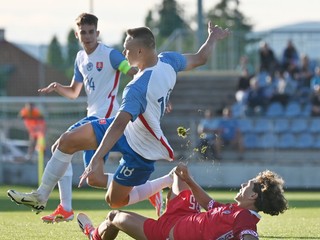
<point>301,221</point>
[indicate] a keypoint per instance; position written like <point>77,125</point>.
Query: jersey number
<point>163,102</point>
<point>90,84</point>
<point>126,171</point>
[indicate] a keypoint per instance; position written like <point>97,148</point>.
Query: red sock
<point>95,235</point>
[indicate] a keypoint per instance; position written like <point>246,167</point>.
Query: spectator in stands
<point>245,65</point>
<point>290,59</point>
<point>284,88</point>
<point>246,71</point>
<point>257,98</point>
<point>303,78</point>
<point>268,61</point>
<point>306,72</point>
<point>34,122</point>
<point>315,101</point>
<point>315,80</point>
<point>228,134</point>
<point>207,130</point>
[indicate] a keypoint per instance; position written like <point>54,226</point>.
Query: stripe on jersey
<point>145,123</point>
<point>113,97</point>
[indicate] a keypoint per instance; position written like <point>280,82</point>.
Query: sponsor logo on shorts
<point>102,121</point>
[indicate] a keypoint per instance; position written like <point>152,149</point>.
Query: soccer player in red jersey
<point>184,220</point>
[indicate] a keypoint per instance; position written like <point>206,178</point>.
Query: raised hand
<point>217,32</point>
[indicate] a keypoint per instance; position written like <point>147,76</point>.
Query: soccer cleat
<point>59,215</point>
<point>85,224</point>
<point>27,199</point>
<point>157,201</point>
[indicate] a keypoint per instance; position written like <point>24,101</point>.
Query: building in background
<point>21,74</point>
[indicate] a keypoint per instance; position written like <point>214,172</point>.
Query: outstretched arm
<point>111,136</point>
<point>201,196</point>
<point>72,91</point>
<point>215,33</point>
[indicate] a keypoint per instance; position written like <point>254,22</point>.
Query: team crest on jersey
<point>99,66</point>
<point>89,66</point>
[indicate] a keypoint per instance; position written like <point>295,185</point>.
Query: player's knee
<point>111,215</point>
<point>92,182</point>
<point>65,143</point>
<point>114,203</point>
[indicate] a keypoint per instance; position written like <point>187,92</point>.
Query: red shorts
<point>177,208</point>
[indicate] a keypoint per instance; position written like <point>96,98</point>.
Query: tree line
<point>164,20</point>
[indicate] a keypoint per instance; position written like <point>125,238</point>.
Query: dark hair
<point>87,18</point>
<point>269,187</point>
<point>144,35</point>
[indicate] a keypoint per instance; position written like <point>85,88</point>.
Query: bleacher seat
<point>268,140</point>
<point>305,140</point>
<point>263,125</point>
<point>314,126</point>
<point>250,140</point>
<point>316,142</point>
<point>275,109</point>
<point>306,110</point>
<point>293,109</point>
<point>286,140</point>
<point>299,125</point>
<point>245,125</point>
<point>281,125</point>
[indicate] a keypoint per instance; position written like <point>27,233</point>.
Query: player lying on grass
<point>135,131</point>
<point>184,220</point>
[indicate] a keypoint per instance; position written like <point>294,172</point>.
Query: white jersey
<point>100,75</point>
<point>145,98</point>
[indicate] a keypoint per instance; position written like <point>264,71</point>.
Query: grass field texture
<point>301,221</point>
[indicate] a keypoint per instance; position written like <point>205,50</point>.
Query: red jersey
<point>220,222</point>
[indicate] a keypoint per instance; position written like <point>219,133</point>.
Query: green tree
<point>72,50</point>
<point>149,21</point>
<point>55,57</point>
<point>170,18</point>
<point>170,27</point>
<point>227,15</point>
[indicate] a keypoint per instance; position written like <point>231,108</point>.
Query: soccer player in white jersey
<point>135,131</point>
<point>97,67</point>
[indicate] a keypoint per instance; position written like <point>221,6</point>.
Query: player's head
<point>138,45</point>
<point>269,188</point>
<point>87,32</point>
<point>143,35</point>
<point>87,19</point>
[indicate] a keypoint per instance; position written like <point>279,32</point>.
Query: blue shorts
<point>133,169</point>
<point>87,154</point>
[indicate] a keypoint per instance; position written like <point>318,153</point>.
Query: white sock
<point>54,170</point>
<point>65,189</point>
<point>110,178</point>
<point>144,191</point>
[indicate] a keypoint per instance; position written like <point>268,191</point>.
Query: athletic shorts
<point>133,169</point>
<point>87,154</point>
<point>177,208</point>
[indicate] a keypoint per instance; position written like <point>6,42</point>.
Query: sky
<point>37,21</point>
